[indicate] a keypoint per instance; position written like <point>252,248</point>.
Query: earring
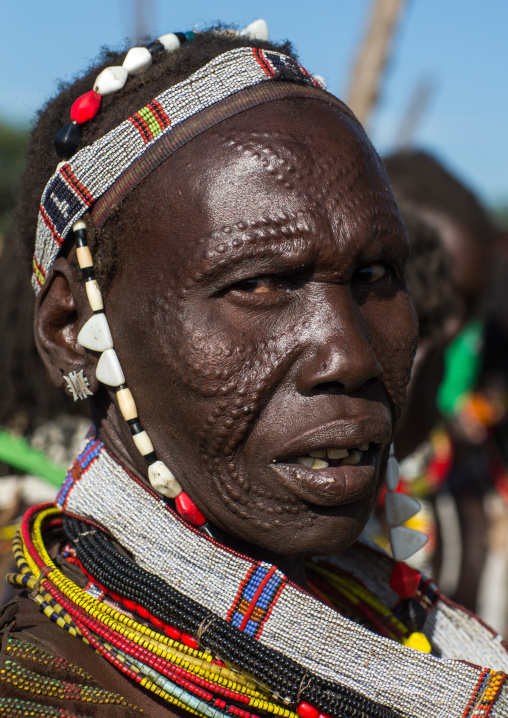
<point>78,385</point>
<point>399,508</point>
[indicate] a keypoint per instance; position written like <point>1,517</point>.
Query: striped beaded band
<point>196,125</point>
<point>80,182</point>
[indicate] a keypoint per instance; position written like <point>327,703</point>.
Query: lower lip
<point>332,486</point>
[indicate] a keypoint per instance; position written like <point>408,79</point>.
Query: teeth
<point>349,457</point>
<point>305,461</point>
<point>318,454</point>
<point>353,459</point>
<point>337,453</point>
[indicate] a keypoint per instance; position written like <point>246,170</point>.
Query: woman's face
<point>260,316</point>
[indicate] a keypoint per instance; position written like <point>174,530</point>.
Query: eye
<point>371,273</point>
<point>262,285</point>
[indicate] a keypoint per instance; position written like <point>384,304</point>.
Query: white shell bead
<point>170,42</point>
<point>405,542</point>
<point>137,60</point>
<point>94,295</point>
<point>111,80</point>
<point>84,256</point>
<point>80,224</point>
<point>257,30</point>
<point>95,334</point>
<point>399,508</point>
<point>392,474</point>
<point>143,443</point>
<point>163,480</point>
<point>127,404</point>
<point>108,370</point>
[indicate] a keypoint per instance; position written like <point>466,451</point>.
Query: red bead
<point>188,510</point>
<point>86,107</point>
<point>142,612</point>
<point>130,605</point>
<point>305,710</point>
<point>157,622</point>
<point>323,715</point>
<point>173,633</point>
<point>404,580</point>
<point>189,640</point>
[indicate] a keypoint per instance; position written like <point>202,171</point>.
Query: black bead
<point>67,140</point>
<point>80,237</point>
<point>135,426</point>
<point>155,47</point>
<point>182,37</point>
<point>150,458</point>
<point>413,615</point>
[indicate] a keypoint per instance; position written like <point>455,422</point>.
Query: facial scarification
<point>234,375</point>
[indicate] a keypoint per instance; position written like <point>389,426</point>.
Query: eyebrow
<point>280,238</point>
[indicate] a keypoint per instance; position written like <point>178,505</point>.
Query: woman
<point>240,232</point>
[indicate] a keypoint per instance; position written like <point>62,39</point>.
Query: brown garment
<point>33,648</point>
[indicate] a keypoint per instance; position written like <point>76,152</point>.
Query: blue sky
<point>460,46</point>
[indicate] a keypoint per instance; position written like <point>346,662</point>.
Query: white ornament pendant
<point>108,370</point>
<point>405,542</point>
<point>257,30</point>
<point>137,60</point>
<point>392,474</point>
<point>111,80</point>
<point>95,334</point>
<point>163,480</point>
<point>400,508</point>
<point>169,41</point>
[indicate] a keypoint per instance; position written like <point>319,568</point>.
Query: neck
<point>113,434</point>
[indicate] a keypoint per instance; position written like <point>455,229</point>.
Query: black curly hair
<point>167,69</point>
<point>418,177</point>
<point>428,275</point>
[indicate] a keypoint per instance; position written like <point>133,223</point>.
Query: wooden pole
<point>372,57</point>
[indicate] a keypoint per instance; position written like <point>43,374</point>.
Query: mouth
<point>342,471</point>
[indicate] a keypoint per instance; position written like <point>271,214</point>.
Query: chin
<point>325,530</point>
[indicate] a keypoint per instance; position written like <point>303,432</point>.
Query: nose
<point>339,356</point>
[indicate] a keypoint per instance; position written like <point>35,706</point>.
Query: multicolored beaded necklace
<point>216,662</point>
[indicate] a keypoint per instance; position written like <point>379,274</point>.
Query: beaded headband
<point>79,182</point>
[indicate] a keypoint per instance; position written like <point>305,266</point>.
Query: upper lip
<point>346,433</point>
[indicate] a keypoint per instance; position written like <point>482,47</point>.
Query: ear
<point>61,309</point>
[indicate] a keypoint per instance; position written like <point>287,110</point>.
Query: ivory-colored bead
<point>257,30</point>
<point>400,508</point>
<point>170,42</point>
<point>84,257</point>
<point>163,480</point>
<point>137,60</point>
<point>108,370</point>
<point>80,224</point>
<point>95,334</point>
<point>405,542</point>
<point>127,404</point>
<point>143,443</point>
<point>94,295</point>
<point>110,80</point>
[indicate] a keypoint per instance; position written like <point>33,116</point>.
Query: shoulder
<point>44,667</point>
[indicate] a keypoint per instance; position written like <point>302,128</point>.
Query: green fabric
<point>462,367</point>
<point>17,453</point>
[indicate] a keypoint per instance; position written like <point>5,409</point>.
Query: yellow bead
<point>418,641</point>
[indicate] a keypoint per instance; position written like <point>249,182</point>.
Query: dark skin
<point>260,312</point>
